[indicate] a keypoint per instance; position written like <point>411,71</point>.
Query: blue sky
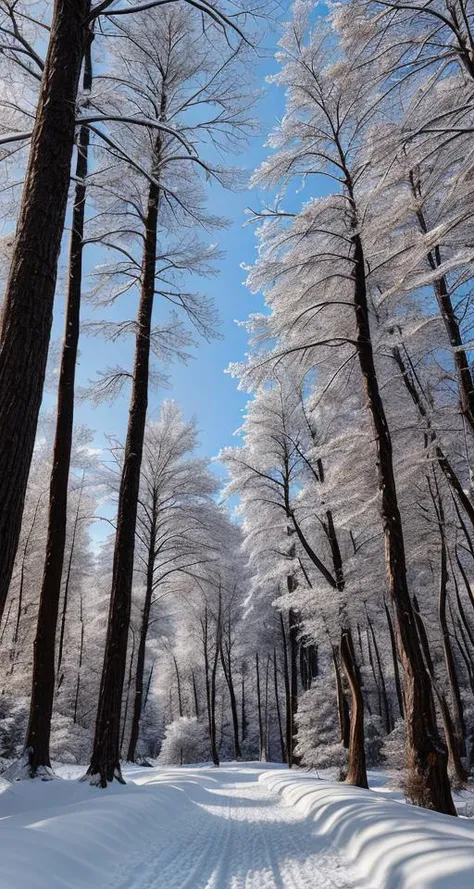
<point>201,388</point>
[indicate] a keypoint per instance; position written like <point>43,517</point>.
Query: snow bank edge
<point>391,846</point>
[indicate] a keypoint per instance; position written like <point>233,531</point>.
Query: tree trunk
<point>293,640</point>
<point>28,302</point>
<point>261,736</point>
<point>43,678</point>
<point>244,720</point>
<point>195,695</point>
<point>105,762</point>
<point>288,717</point>
<point>62,630</point>
<point>342,705</point>
<point>385,709</point>
<point>278,710</point>
<point>396,668</point>
<point>140,668</point>
<point>79,667</point>
<point>357,772</point>
<point>427,758</point>
<point>129,687</point>
<point>227,668</point>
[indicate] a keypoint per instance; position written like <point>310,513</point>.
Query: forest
<point>306,595</point>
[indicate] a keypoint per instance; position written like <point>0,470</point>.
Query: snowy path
<point>238,827</point>
<point>186,828</point>
<point>237,835</point>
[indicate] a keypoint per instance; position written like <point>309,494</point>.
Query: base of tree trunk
<point>103,779</point>
<point>427,785</point>
<point>23,770</point>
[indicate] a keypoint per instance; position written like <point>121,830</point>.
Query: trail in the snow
<point>232,833</point>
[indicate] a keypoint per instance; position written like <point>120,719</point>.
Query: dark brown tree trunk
<point>457,720</point>
<point>43,679</point>
<point>357,772</point>
<point>427,758</point>
<point>383,688</point>
<point>227,668</point>
<point>62,630</point>
<point>140,667</point>
<point>19,609</point>
<point>214,747</point>
<point>452,744</point>
<point>261,735</point>
<point>178,686</point>
<point>195,695</point>
<point>28,303</point>
<point>129,688</point>
<point>79,666</point>
<point>342,705</point>
<point>293,641</point>
<point>396,667</point>
<point>105,760</point>
<point>288,716</point>
<point>243,720</point>
<point>278,709</point>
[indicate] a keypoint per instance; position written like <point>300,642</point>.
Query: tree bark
<point>278,709</point>
<point>342,705</point>
<point>140,668</point>
<point>288,716</point>
<point>43,679</point>
<point>357,771</point>
<point>227,668</point>
<point>28,303</point>
<point>261,736</point>
<point>105,760</point>
<point>62,630</point>
<point>396,667</point>
<point>427,757</point>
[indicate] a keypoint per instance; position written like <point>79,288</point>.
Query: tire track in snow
<point>234,833</point>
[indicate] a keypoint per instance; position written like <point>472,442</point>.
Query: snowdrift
<point>389,845</point>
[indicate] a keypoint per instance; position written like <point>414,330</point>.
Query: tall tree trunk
<point>140,668</point>
<point>342,705</point>
<point>396,667</point>
<point>227,668</point>
<point>243,720</point>
<point>457,719</point>
<point>19,609</point>
<point>195,696</point>
<point>277,702</point>
<point>178,685</point>
<point>288,716</point>
<point>129,688</point>
<point>27,310</point>
<point>43,678</point>
<point>452,744</point>
<point>62,630</point>
<point>357,772</point>
<point>266,720</point>
<point>427,757</point>
<point>79,666</point>
<point>293,641</point>
<point>105,760</point>
<point>261,734</point>
<point>383,685</point>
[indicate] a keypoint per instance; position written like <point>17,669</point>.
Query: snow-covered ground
<point>238,827</point>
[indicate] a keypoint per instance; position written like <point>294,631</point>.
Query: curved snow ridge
<point>389,845</point>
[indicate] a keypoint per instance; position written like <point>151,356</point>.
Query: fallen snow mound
<point>389,845</point>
